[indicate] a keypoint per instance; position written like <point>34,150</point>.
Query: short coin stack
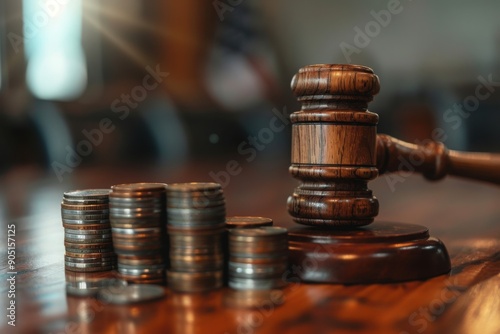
<point>137,214</point>
<point>196,224</point>
<point>87,231</point>
<point>257,258</point>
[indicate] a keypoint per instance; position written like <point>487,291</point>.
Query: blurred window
<point>56,67</point>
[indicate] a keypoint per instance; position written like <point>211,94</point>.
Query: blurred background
<point>94,93</point>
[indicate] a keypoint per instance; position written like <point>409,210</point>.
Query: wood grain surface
<point>465,215</point>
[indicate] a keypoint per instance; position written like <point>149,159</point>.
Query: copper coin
<point>91,227</point>
<point>139,187</point>
<point>84,207</point>
<point>89,255</point>
<point>247,222</point>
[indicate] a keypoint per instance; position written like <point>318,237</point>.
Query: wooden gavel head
<point>334,146</point>
<point>336,149</point>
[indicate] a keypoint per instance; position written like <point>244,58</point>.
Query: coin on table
<point>132,294</point>
<point>84,288</point>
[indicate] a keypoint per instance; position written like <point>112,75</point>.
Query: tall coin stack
<point>258,258</point>
<point>138,215</point>
<point>196,225</point>
<point>87,231</point>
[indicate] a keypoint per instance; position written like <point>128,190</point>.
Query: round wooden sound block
<point>378,253</point>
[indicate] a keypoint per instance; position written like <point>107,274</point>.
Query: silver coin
<point>122,208</point>
<point>84,202</point>
<point>198,211</point>
<point>135,223</point>
<point>187,241</point>
<point>197,203</point>
<point>197,219</point>
<point>85,217</point>
<point>249,270</point>
<point>136,252</point>
<point>85,211</point>
<point>138,221</point>
<point>87,193</point>
<point>211,194</point>
<point>83,288</point>
<point>239,283</point>
<point>137,231</point>
<point>86,237</point>
<point>140,209</point>
<point>173,219</point>
<point>91,270</point>
<point>140,271</point>
<point>132,294</point>
<point>136,216</point>
<point>78,291</point>
<point>88,265</point>
<point>90,260</point>
<point>85,221</point>
<point>196,222</point>
<point>196,230</point>
<point>88,232</point>
<point>97,283</point>
<point>152,267</point>
<point>193,249</point>
<point>90,250</point>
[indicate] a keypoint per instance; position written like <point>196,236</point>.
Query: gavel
<point>336,149</point>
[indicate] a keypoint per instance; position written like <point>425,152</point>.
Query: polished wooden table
<point>465,215</point>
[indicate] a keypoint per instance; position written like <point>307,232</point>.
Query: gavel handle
<point>434,160</point>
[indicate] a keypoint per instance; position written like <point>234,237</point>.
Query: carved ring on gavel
<point>336,149</point>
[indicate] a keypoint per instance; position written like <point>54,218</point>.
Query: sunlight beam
<point>127,48</point>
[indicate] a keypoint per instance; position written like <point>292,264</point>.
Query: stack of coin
<point>138,215</point>
<point>240,222</point>
<point>258,257</point>
<point>196,223</point>
<point>87,231</point>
